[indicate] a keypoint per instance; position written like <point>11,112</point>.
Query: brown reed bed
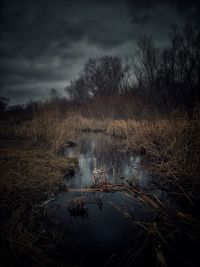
<point>30,174</point>
<point>172,145</point>
<point>49,127</point>
<point>54,128</point>
<point>173,149</point>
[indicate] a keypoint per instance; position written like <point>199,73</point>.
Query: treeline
<point>27,111</point>
<point>152,81</point>
<point>105,76</point>
<point>162,78</point>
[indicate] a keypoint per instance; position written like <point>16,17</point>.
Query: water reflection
<point>101,223</point>
<point>101,152</point>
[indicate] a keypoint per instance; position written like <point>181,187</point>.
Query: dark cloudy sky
<point>45,43</point>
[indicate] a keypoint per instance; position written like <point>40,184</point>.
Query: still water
<point>108,226</point>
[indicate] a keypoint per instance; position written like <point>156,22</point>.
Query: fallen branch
<point>104,187</point>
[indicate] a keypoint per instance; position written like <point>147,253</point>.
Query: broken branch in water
<point>104,187</point>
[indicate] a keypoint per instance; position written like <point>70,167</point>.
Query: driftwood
<point>106,187</point>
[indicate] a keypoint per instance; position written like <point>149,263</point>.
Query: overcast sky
<point>45,43</point>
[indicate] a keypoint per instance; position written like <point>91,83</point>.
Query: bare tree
<point>180,66</point>
<point>105,76</point>
<point>146,67</point>
<point>170,77</point>
<point>77,90</point>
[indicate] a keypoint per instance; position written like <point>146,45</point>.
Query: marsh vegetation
<point>109,176</point>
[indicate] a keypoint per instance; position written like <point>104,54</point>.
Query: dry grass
<point>48,126</point>
<point>89,124</point>
<point>29,175</point>
<point>27,169</point>
<point>53,128</point>
<point>117,128</point>
<point>172,146</point>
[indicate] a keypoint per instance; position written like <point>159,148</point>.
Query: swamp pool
<point>107,230</point>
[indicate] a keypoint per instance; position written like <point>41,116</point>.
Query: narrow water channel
<point>108,225</point>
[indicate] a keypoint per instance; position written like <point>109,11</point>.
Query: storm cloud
<point>44,44</point>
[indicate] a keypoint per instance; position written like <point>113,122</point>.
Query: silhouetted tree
<point>164,78</point>
<point>170,77</point>
<point>105,76</point>
<point>146,65</point>
<point>77,90</point>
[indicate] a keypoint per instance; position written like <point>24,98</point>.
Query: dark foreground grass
<point>30,174</point>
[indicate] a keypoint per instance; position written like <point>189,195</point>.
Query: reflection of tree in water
<point>104,155</point>
<point>98,197</point>
<point>109,156</point>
